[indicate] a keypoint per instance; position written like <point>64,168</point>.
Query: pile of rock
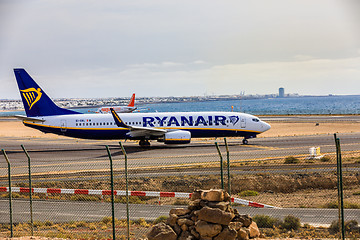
<point>208,217</point>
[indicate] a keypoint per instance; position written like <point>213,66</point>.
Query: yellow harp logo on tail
<point>31,96</point>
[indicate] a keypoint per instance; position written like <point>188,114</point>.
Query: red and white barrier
<point>123,193</point>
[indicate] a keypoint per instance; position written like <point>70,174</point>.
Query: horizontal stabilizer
<point>25,118</point>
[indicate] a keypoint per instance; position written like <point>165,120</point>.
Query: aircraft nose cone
<point>266,126</point>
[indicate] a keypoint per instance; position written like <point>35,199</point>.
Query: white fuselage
<point>200,124</point>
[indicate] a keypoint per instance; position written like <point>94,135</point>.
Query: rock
<point>245,219</point>
<point>186,236</point>
<point>215,215</point>
<point>227,234</point>
<point>177,229</point>
<point>214,195</point>
<point>195,205</point>
<point>254,230</point>
<point>182,221</point>
<point>195,233</point>
<point>179,211</point>
<point>162,231</point>
<point>184,227</point>
<point>196,195</point>
<point>208,217</point>
<point>221,205</point>
<point>172,219</point>
<point>242,234</point>
<point>227,197</point>
<point>207,229</point>
<point>235,225</point>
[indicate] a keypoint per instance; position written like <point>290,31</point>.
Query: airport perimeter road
<point>61,211</point>
<point>64,156</point>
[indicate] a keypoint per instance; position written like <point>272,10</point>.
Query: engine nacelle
<point>177,137</point>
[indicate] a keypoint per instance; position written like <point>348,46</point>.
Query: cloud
<point>312,76</point>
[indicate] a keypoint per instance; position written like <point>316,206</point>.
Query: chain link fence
<point>277,186</point>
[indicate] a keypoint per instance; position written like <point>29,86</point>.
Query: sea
<point>270,106</point>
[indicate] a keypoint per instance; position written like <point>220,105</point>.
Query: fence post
<point>112,191</point>
<point>30,191</point>
<point>340,188</point>
<point>10,193</point>
<point>221,166</point>
<point>228,166</point>
<point>127,192</point>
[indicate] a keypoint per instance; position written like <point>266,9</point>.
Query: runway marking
<point>262,147</point>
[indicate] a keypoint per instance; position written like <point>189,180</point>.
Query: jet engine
<point>177,137</point>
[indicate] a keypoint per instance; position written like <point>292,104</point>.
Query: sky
<point>112,48</point>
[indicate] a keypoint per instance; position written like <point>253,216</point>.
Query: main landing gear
<point>144,143</point>
<point>245,141</point>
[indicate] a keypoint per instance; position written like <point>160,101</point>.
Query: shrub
<point>264,221</point>
<point>248,193</point>
<point>106,220</point>
<point>180,202</point>
<point>291,223</point>
<point>141,222</point>
<point>92,226</point>
<point>48,223</point>
<point>132,200</point>
<point>325,159</point>
<point>291,159</point>
<point>81,224</point>
<point>84,198</point>
<point>356,193</point>
<point>160,219</point>
<point>350,226</point>
<point>347,205</point>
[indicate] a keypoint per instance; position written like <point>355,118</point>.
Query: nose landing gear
<point>245,141</point>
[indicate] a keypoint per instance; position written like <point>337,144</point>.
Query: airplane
<point>167,127</point>
<point>120,109</point>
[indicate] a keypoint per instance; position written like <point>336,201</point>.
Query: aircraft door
<point>242,122</point>
<point>63,126</point>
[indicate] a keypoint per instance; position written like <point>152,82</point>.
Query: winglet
<point>118,120</point>
<point>132,101</point>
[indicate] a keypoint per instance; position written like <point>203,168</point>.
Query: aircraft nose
<point>265,126</point>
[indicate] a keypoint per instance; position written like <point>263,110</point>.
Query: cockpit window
<point>256,120</point>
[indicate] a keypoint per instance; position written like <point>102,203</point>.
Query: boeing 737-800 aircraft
<point>167,127</point>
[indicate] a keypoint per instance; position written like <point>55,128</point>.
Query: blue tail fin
<point>35,100</point>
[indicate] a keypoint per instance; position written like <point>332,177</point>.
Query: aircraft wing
<point>136,131</point>
<point>25,118</point>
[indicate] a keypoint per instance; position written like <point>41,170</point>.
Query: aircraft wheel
<point>144,143</point>
<point>245,141</point>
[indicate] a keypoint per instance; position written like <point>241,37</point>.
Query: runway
<point>71,156</point>
<point>62,211</point>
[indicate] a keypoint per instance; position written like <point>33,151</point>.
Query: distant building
<point>281,92</point>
